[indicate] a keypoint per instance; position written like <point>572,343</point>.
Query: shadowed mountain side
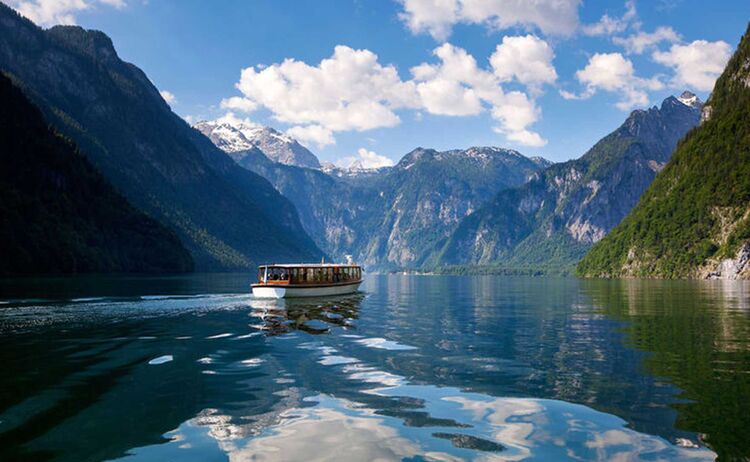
<point>60,215</point>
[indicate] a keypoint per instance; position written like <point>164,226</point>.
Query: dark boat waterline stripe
<point>307,286</point>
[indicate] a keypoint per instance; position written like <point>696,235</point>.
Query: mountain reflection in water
<point>416,368</point>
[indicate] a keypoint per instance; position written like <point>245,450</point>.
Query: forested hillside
<point>694,221</point>
<point>59,215</point>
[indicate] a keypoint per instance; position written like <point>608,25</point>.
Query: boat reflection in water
<point>318,316</point>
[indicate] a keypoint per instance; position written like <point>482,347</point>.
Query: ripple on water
<point>223,335</point>
<point>161,360</point>
<point>383,344</point>
<point>333,360</point>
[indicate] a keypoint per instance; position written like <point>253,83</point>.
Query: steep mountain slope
<point>694,221</point>
<point>394,217</point>
<point>428,192</point>
<point>59,215</point>
<point>237,137</point>
<point>227,217</point>
<point>550,222</point>
<point>339,214</point>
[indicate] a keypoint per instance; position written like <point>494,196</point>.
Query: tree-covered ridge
<point>59,215</point>
<point>549,223</point>
<point>228,218</point>
<point>696,214</point>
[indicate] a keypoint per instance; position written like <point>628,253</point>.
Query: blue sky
<point>399,74</point>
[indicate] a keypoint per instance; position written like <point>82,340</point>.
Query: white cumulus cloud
<point>168,96</point>
<point>437,17</point>
<point>353,91</point>
<point>614,73</point>
<point>527,59</point>
<point>458,86</point>
<point>312,134</point>
<point>51,12</point>
<point>238,103</point>
<point>365,159</point>
<point>696,65</point>
<point>609,25</point>
<point>350,90</point>
<point>641,41</point>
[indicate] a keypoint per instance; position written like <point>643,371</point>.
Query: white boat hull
<point>270,291</point>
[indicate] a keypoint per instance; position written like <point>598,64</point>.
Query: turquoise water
<point>413,368</point>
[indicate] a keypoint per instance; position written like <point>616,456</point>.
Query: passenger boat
<point>307,280</point>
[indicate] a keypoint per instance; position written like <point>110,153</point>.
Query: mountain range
<point>391,217</point>
<point>227,217</point>
<point>694,220</point>
<point>487,208</point>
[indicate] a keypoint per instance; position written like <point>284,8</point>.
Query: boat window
<point>277,274</point>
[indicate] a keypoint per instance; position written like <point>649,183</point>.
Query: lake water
<point>414,368</point>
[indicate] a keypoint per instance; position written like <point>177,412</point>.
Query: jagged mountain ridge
<point>60,215</point>
<point>393,217</point>
<point>237,137</point>
<point>694,220</point>
<point>428,192</point>
<point>549,223</point>
<point>227,217</point>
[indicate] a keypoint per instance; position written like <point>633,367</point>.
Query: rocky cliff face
<point>694,221</point>
<point>550,222</point>
<point>428,193</point>
<point>227,217</point>
<point>394,217</point>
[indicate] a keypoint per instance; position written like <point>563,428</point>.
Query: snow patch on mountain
<point>234,135</point>
<point>690,100</point>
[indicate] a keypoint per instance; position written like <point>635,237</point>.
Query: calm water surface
<point>414,368</point>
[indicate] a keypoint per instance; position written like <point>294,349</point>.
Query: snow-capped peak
<point>689,99</point>
<point>229,133</point>
<point>232,135</point>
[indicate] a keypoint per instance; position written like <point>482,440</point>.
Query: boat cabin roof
<point>309,265</point>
